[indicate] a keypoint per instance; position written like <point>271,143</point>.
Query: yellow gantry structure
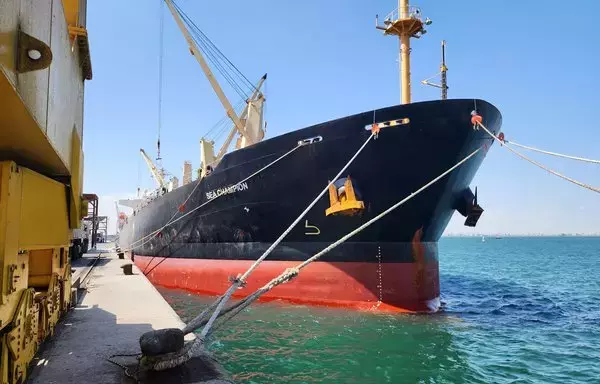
<point>44,61</point>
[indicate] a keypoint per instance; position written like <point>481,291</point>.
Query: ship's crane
<point>249,124</point>
<point>156,173</point>
<point>211,78</point>
<point>255,96</point>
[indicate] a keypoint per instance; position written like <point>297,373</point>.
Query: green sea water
<point>515,310</point>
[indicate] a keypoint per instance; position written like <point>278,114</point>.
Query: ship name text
<point>226,190</point>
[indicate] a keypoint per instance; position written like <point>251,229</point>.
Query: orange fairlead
<point>375,130</point>
<point>476,119</point>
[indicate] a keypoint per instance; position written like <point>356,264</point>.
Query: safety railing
<point>412,12</point>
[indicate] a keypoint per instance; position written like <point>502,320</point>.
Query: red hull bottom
<point>394,287</point>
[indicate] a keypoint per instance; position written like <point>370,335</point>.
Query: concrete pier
<point>113,311</point>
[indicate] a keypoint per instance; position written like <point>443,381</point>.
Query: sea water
<point>515,310</point>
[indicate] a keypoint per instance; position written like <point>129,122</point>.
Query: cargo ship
<point>199,235</point>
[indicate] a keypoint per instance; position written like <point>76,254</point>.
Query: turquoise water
<point>515,310</point>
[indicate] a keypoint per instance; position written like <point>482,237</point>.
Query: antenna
<point>443,69</point>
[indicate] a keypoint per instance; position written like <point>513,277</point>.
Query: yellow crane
<point>156,173</point>
<point>44,61</point>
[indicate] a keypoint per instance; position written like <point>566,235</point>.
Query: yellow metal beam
<point>76,190</point>
<point>71,8</point>
<point>44,213</point>
<point>21,138</point>
<point>22,340</point>
<point>80,35</point>
<point>10,210</point>
<point>35,267</point>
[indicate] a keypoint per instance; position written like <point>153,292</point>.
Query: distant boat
<point>483,239</point>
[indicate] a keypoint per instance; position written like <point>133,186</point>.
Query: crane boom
<point>232,133</point>
<point>153,170</point>
<point>211,78</point>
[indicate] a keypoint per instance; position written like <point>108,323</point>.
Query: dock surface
<point>113,311</point>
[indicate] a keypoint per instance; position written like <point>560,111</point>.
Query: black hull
<point>391,264</point>
<point>241,225</point>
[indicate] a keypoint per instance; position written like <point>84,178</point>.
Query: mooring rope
<point>153,234</point>
<point>290,273</point>
<point>308,208</point>
<point>173,359</point>
<point>576,182</point>
<point>239,281</point>
<point>552,153</point>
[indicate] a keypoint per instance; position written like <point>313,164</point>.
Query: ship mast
<point>443,70</point>
<point>211,78</point>
<point>443,75</point>
<point>404,22</point>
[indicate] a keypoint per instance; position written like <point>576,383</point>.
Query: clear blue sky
<point>536,61</point>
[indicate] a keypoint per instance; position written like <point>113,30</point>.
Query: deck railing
<point>396,13</point>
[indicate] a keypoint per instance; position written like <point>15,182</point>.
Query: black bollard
<point>161,341</point>
<point>127,269</point>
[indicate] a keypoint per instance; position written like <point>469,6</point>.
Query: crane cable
<point>224,122</point>
<point>214,55</point>
<point>160,82</point>
<point>576,182</point>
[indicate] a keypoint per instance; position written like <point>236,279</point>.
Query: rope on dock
<point>125,368</point>
<point>547,169</point>
<point>290,273</point>
<point>552,153</point>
